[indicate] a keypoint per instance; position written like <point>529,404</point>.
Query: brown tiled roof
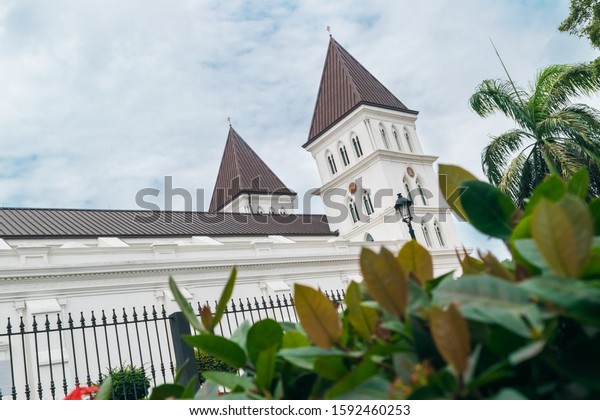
<point>346,84</point>
<point>66,223</point>
<point>243,171</point>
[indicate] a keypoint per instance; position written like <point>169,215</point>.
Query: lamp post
<point>402,207</point>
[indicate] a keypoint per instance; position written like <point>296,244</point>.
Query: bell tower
<point>365,144</point>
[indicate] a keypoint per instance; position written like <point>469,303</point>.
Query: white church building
<point>366,149</point>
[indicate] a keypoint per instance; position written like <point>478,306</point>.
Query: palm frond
<point>558,83</point>
<point>563,159</point>
<point>510,179</point>
<point>575,119</point>
<point>498,95</point>
<point>496,154</point>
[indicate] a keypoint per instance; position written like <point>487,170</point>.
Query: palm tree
<point>552,134</point>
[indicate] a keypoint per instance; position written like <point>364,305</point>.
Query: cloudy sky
<point>99,99</point>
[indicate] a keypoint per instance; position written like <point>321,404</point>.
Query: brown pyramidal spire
<point>243,171</point>
<point>346,84</point>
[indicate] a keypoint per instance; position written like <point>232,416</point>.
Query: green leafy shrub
<point>208,363</point>
<point>128,383</point>
<point>529,328</point>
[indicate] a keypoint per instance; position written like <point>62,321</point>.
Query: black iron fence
<point>50,355</point>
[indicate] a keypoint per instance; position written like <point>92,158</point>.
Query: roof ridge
<point>341,49</point>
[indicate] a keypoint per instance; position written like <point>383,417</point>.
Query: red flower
<point>82,393</point>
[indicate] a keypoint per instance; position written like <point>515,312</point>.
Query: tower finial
<point>229,121</point>
<point>328,29</point>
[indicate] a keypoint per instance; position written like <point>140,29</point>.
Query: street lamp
<point>402,207</point>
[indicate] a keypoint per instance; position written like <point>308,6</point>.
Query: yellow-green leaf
<point>224,299</point>
<point>385,280</point>
<point>416,261</point>
<point>494,267</point>
<point>318,316</point>
<point>186,309</point>
<point>451,336</point>
<point>451,177</point>
<point>206,317</point>
<point>362,318</point>
<point>579,183</point>
<point>563,232</point>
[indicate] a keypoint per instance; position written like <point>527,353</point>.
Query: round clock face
<point>352,187</point>
<point>410,172</point>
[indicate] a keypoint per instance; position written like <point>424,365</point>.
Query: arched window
<point>426,236</point>
<point>344,155</point>
<point>332,166</point>
<point>384,137</point>
<point>408,141</point>
<point>353,211</point>
<point>369,238</point>
<point>368,203</point>
<point>397,139</point>
<point>422,193</point>
<point>356,145</point>
<point>439,235</point>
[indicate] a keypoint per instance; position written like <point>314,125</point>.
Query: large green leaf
<point>579,183</point>
<point>362,318</point>
<point>186,309</point>
<point>552,188</point>
<point>416,261</point>
<point>595,210</point>
<point>240,335</point>
<point>331,368</point>
<point>218,346</point>
<point>229,380</point>
<point>304,357</point>
<point>491,300</point>
<point>579,300</point>
<point>563,233</point>
<point>451,336</point>
<point>365,370</point>
<point>450,179</point>
<point>592,270</point>
<point>294,339</point>
<point>375,388</point>
<point>166,391</point>
<point>418,299</point>
<point>224,299</point>
<point>105,391</point>
<point>265,368</point>
<point>488,209</point>
<point>520,232</point>
<point>262,336</point>
<point>529,253</point>
<point>318,316</point>
<point>385,280</point>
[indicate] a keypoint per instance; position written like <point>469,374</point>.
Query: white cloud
<point>112,96</point>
